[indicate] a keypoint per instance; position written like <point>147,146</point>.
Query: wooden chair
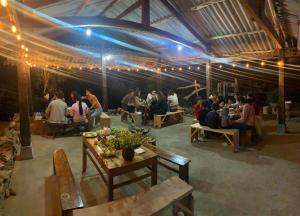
<point>69,195</point>
<point>166,156</point>
<point>149,202</point>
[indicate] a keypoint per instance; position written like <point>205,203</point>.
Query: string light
<point>233,65</point>
<point>118,69</point>
<point>172,69</point>
<point>280,63</point>
<point>137,70</point>
<point>179,47</point>
<point>220,66</point>
<point>208,66</point>
<point>19,37</point>
<point>128,69</point>
<point>46,66</point>
<point>13,28</point>
<point>180,69</point>
<point>198,68</point>
<point>189,67</point>
<point>247,65</point>
<point>262,63</point>
<point>4,3</point>
<point>80,68</point>
<point>26,55</point>
<point>22,46</point>
<point>26,49</point>
<point>165,69</point>
<point>88,32</point>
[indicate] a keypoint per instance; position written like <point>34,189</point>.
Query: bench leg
<point>154,173</point>
<point>236,142</point>
<point>184,172</point>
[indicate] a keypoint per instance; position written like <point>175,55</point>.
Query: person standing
<point>96,108</point>
<point>173,101</point>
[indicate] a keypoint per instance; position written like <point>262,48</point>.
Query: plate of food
<point>90,134</point>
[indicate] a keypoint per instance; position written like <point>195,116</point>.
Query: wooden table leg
<point>184,172</point>
<point>154,173</point>
<point>84,158</point>
<point>110,187</point>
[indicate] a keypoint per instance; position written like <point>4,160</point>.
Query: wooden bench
<point>175,117</point>
<point>178,160</point>
<point>69,195</point>
<point>146,203</point>
<point>232,135</point>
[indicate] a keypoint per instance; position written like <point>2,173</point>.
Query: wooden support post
<point>146,12</point>
<point>23,94</point>
<point>104,84</point>
<point>208,79</point>
<point>281,128</point>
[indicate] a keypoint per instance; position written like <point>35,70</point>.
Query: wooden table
<point>116,166</point>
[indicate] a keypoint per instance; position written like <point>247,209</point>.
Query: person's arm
<point>48,110</point>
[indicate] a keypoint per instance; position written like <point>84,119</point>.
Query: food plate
<point>90,134</point>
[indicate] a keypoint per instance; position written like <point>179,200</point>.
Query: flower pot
<point>128,153</point>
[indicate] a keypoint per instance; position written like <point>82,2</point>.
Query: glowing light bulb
<point>13,28</point>
<point>80,68</point>
<point>208,66</point>
<point>233,65</point>
<point>88,32</point>
<point>189,67</point>
<point>26,49</point>
<point>46,66</point>
<point>179,47</point>
<point>19,37</point>
<point>280,63</point>
<point>247,65</point>
<point>137,70</point>
<point>22,46</point>
<point>118,69</point>
<point>4,3</point>
<point>26,55</point>
<point>198,68</point>
<point>172,69</point>
<point>220,66</point>
<point>180,69</point>
<point>165,69</point>
<point>262,63</point>
<point>128,69</point>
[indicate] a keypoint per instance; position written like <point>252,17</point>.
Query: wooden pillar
<point>104,84</point>
<point>281,128</point>
<point>208,79</point>
<point>158,80</point>
<point>146,12</point>
<point>24,108</point>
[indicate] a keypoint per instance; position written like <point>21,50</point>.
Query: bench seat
<point>160,120</point>
<point>232,135</point>
<point>173,158</point>
<point>144,203</point>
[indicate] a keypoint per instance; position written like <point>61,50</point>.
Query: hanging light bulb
<point>233,65</point>
<point>137,70</point>
<point>118,69</point>
<point>280,63</point>
<point>80,68</point>
<point>172,69</point>
<point>26,55</point>
<point>198,68</point>
<point>4,3</point>
<point>247,65</point>
<point>262,63</point>
<point>180,69</point>
<point>189,67</point>
<point>13,28</point>
<point>208,65</point>
<point>128,69</point>
<point>19,37</point>
<point>26,49</point>
<point>220,66</point>
<point>165,69</point>
<point>22,46</point>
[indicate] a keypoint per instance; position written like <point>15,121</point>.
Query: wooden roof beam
<point>186,24</point>
<point>108,7</point>
<point>236,35</point>
<point>145,12</point>
<point>262,22</point>
<point>129,9</point>
<point>81,7</point>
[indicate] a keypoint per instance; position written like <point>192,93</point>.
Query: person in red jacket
<point>197,107</point>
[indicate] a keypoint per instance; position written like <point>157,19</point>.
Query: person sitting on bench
<point>159,107</point>
<point>96,108</point>
<point>247,119</point>
<point>78,111</point>
<point>225,120</point>
<point>133,102</point>
<point>56,111</point>
<point>203,112</point>
<point>213,118</point>
<point>172,101</point>
<point>125,99</point>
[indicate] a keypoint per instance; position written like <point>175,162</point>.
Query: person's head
<point>88,91</point>
<point>222,104</point>
<point>214,107</point>
<point>198,100</point>
<point>60,94</point>
<point>225,111</point>
<point>241,100</point>
<point>229,101</point>
<point>153,92</point>
<point>249,96</point>
<point>171,92</point>
<point>46,96</point>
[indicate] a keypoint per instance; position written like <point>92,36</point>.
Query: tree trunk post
<point>208,79</point>
<point>24,109</point>
<point>104,83</point>
<point>281,127</point>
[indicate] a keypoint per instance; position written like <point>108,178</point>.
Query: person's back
<point>56,111</point>
<point>248,114</point>
<point>202,116</point>
<point>213,118</point>
<point>173,102</point>
<point>77,117</point>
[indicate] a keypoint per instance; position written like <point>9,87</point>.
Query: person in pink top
<point>78,111</point>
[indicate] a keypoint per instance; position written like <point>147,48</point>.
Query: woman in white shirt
<point>173,101</point>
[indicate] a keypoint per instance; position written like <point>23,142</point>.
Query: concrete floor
<point>262,181</point>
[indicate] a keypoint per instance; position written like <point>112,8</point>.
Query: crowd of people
<point>155,103</point>
<point>58,113</point>
<point>239,113</point>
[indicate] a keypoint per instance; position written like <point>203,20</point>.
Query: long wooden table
<point>116,166</point>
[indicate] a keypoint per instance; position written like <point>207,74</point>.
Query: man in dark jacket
<point>213,118</point>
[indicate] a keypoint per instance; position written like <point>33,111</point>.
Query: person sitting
<point>79,110</point>
<point>197,107</point>
<point>203,112</point>
<point>125,99</point>
<point>56,112</point>
<point>212,118</point>
<point>151,97</point>
<point>159,107</point>
<point>95,108</point>
<point>225,120</point>
<point>247,119</point>
<point>173,101</point>
<point>132,102</point>
<point>230,102</point>
<point>252,102</point>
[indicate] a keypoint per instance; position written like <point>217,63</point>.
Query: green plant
<point>272,96</point>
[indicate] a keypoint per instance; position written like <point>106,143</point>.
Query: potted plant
<point>127,144</point>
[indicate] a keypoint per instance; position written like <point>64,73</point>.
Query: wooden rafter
<point>108,7</point>
<point>81,7</point>
<point>182,19</point>
<point>236,35</point>
<point>145,12</point>
<point>41,3</point>
<point>262,23</point>
<point>129,9</point>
